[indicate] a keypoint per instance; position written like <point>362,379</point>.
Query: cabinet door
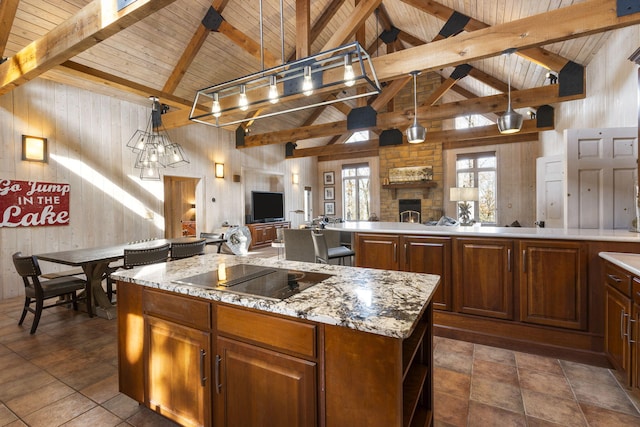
<point>553,284</point>
<point>178,372</point>
<point>259,387</point>
<point>616,346</point>
<point>483,280</point>
<point>377,251</point>
<point>430,255</point>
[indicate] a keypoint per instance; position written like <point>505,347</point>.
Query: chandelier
<point>153,146</point>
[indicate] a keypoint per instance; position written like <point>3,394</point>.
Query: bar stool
<point>324,254</point>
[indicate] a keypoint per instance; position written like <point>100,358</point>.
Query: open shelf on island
<point>394,186</point>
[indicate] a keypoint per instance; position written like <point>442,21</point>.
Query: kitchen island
<point>353,349</point>
<point>537,290</point>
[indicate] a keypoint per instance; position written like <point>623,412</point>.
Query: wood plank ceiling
<point>161,48</point>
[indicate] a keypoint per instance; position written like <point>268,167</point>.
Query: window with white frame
<point>479,170</point>
<point>356,194</point>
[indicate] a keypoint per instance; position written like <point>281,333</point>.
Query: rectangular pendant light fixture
<point>289,87</point>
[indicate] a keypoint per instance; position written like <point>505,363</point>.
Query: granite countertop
<point>378,301</point>
<point>629,262</point>
<point>477,231</point>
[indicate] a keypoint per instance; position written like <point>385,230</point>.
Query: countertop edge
<point>629,262</point>
<point>496,232</point>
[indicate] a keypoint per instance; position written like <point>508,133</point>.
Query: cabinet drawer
<point>184,310</point>
<point>618,278</point>
<point>636,290</point>
<point>287,335</point>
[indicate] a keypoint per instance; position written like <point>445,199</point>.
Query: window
<point>355,192</point>
<point>471,121</point>
<point>479,170</point>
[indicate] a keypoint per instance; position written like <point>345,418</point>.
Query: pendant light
<point>415,133</point>
<point>510,121</point>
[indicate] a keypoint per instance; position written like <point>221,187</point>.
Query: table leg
<point>99,301</point>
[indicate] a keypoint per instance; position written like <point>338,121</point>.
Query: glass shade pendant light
<point>349,76</point>
<point>510,121</point>
<point>415,133</point>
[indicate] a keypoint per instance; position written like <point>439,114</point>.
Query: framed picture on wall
<point>329,178</point>
<point>329,193</point>
<point>329,208</point>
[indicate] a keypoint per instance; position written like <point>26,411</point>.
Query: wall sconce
<point>193,205</point>
<point>219,170</point>
<point>34,149</point>
<point>295,178</point>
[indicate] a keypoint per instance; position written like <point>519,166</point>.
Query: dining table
<point>95,263</point>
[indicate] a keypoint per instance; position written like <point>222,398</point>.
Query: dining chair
<point>37,291</point>
<point>186,250</point>
<point>215,238</point>
<point>324,254</point>
<point>137,257</point>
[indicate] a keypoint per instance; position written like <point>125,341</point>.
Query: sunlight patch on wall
<point>95,178</point>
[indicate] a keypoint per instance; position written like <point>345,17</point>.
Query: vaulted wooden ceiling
<point>161,48</point>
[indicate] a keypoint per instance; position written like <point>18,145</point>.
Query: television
<point>267,206</point>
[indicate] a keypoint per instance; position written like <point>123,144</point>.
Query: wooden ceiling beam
<point>492,117</point>
<point>336,149</point>
<point>519,99</point>
<point>247,44</point>
<point>109,80</point>
<point>489,80</point>
<point>303,28</point>
<point>482,142</point>
<point>578,20</point>
<point>346,156</point>
<point>540,56</point>
<point>190,51</point>
<point>89,26</point>
<point>349,27</point>
<point>8,10</point>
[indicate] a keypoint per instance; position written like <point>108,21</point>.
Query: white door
<point>550,190</point>
<point>601,177</point>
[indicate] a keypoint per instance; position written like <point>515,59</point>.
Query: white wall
<point>87,135</point>
<point>612,93</point>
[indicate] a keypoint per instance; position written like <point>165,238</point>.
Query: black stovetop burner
<point>248,279</point>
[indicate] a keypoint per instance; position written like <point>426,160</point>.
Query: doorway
<point>179,206</point>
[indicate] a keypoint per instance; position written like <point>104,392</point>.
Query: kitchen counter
<point>477,231</point>
<point>629,262</point>
<point>382,302</point>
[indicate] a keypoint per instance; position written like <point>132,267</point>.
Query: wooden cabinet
<point>618,341</point>
<point>270,360</point>
<point>178,372</point>
<point>633,336</point>
<point>178,357</point>
<point>553,283</point>
<point>417,254</point>
<point>483,277</point>
<point>281,389</point>
<point>205,363</point>
<point>366,381</point>
<point>262,234</point>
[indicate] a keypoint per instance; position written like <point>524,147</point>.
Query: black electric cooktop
<point>248,279</point>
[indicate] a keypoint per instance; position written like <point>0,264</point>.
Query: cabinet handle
<point>395,252</point>
<point>203,378</point>
<point>406,253</point>
<point>524,261</point>
<point>217,373</point>
<point>629,334</point>
<point>622,328</point>
<point>614,278</point>
<point>508,259</point>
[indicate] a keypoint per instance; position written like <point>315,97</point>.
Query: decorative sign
<point>33,203</point>
<point>411,174</point>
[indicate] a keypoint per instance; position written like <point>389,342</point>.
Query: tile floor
<point>66,374</point>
